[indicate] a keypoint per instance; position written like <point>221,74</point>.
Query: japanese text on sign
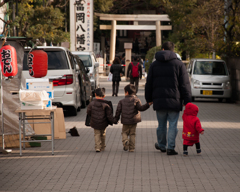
<point>84,25</point>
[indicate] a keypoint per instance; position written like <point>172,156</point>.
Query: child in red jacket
<point>191,128</point>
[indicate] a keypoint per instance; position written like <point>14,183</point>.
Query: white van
<point>209,78</point>
<point>63,72</point>
<point>89,60</point>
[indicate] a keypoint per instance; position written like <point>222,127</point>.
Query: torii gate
<point>135,18</point>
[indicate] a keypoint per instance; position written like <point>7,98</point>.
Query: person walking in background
<point>134,72</point>
<point>101,114</point>
<point>116,70</point>
<point>168,87</point>
<point>191,128</point>
<point>129,108</point>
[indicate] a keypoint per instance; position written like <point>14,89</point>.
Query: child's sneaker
<point>125,145</point>
<point>199,151</point>
<point>185,153</point>
<point>98,150</point>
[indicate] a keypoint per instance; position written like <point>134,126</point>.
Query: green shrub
<point>151,56</point>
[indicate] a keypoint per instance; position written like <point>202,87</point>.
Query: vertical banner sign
<point>81,32</point>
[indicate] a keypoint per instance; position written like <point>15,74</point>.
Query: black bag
<point>73,132</point>
<point>88,119</point>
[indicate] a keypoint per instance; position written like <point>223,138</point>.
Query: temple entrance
<point>143,23</point>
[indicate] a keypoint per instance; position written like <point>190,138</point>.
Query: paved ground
<point>77,167</point>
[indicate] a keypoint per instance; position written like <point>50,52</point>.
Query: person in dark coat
<point>129,108</point>
<point>116,70</point>
<point>168,87</point>
<point>134,78</point>
<point>101,114</point>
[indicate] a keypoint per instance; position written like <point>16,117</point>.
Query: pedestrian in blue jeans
<point>168,87</point>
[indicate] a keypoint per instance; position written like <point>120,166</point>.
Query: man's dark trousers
<point>135,81</point>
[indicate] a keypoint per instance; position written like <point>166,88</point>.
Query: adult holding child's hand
<point>168,88</point>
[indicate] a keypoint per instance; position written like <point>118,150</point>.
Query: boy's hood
<point>165,55</point>
<point>191,109</point>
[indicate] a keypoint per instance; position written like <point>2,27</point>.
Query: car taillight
<point>65,80</point>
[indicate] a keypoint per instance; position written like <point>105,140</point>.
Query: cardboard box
<point>59,124</point>
<point>12,141</point>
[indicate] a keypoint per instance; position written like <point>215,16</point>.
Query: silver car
<point>89,60</point>
<point>209,79</point>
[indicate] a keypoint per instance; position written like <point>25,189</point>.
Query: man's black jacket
<point>167,82</point>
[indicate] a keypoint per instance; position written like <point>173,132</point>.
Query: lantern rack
<point>22,41</point>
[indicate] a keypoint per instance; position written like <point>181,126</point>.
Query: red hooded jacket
<point>191,123</point>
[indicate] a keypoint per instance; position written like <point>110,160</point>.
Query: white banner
<point>81,25</point>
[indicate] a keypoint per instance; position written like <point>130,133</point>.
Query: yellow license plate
<point>207,92</point>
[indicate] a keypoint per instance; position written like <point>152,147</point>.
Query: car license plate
<point>207,92</point>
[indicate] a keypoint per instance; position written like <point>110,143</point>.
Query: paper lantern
<point>38,63</point>
<point>8,60</point>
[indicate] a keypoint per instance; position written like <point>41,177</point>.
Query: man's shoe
<point>126,145</point>
<point>113,95</point>
<point>98,150</point>
<point>171,152</point>
<point>158,148</point>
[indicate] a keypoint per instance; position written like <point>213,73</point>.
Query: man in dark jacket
<point>169,89</point>
<point>134,76</point>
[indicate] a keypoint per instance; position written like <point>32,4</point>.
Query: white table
<point>22,122</point>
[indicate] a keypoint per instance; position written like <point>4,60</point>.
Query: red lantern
<point>38,63</point>
<point>8,61</point>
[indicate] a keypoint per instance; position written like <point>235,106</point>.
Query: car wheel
<point>220,100</point>
<point>70,111</point>
<point>79,106</point>
<point>73,111</point>
<point>87,102</point>
<point>193,99</point>
<point>84,102</point>
<point>229,100</point>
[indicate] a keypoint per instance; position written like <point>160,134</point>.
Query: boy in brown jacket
<point>129,108</point>
<point>101,116</point>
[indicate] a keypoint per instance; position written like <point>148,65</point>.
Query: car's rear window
<point>210,68</point>
<point>86,59</point>
<point>56,60</point>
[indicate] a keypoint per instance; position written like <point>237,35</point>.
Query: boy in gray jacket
<point>129,108</point>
